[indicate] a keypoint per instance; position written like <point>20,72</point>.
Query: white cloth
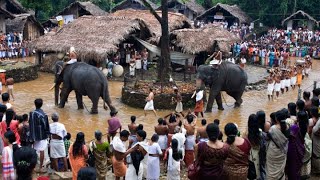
<point>10,87</point>
<point>57,148</point>
<point>71,61</point>
<point>287,82</point>
<point>153,165</point>
<point>118,145</point>
<point>163,141</point>
<point>58,129</point>
<point>40,145</point>
<point>293,80</point>
<point>181,138</point>
<point>199,95</point>
<point>270,88</point>
<point>173,171</point>
<point>132,69</point>
<point>0,86</point>
<point>308,70</point>
<point>149,106</point>
<point>283,84</point>
<point>277,87</point>
<point>179,107</point>
<point>190,142</point>
<point>131,172</point>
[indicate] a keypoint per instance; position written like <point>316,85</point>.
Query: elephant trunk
<point>56,94</point>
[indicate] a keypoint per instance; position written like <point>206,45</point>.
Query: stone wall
<point>161,101</point>
<point>48,63</point>
<point>23,74</point>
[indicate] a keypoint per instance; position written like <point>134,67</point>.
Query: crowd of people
<point>286,145</point>
<point>12,45</point>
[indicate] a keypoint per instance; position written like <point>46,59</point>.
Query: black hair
<point>231,131</point>
<point>273,118</point>
<point>176,154</point>
<point>316,92</point>
<point>140,127</point>
<point>314,112</point>
<point>253,130</point>
<point>180,123</point>
<point>189,118</point>
<point>87,173</point>
<point>133,119</point>
<point>165,123</point>
<point>155,138</point>
<point>315,101</point>
<point>9,117</point>
<point>281,119</point>
<point>300,105</point>
<point>142,134</point>
<point>68,136</point>
<point>98,135</point>
<point>292,107</point>
<point>25,117</point>
<point>213,131</point>
<point>160,121</point>
<point>38,103</point>
<point>5,97</point>
<point>113,113</point>
<point>306,95</point>
<point>25,160</point>
<point>286,112</point>
<point>124,133</point>
<point>261,117</point>
<point>10,136</point>
<point>216,121</point>
<point>3,108</point>
<point>172,118</point>
<point>303,121</point>
<point>19,118</point>
<point>78,145</point>
<point>203,122</point>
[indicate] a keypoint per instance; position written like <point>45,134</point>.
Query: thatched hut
<point>300,19</point>
<point>133,4</point>
<point>13,6</point>
<point>203,41</point>
<point>190,9</point>
<point>27,24</point>
<point>94,42</point>
<point>176,21</point>
<point>4,14</point>
<point>78,9</point>
<point>224,12</point>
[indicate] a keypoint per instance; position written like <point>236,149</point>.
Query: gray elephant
<point>85,80</point>
<point>227,77</point>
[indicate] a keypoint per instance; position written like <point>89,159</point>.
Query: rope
<point>86,108</point>
<point>225,100</point>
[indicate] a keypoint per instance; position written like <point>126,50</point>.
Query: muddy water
<point>80,120</point>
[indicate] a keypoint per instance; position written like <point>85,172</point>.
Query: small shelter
<point>224,12</point>
<point>4,14</point>
<point>300,19</point>
<point>78,9</point>
<point>133,4</point>
<point>190,8</point>
<point>94,42</point>
<point>13,6</point>
<point>27,24</point>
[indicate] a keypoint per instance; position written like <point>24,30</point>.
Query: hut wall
<point>2,23</point>
<point>31,31</point>
<point>74,10</point>
<point>310,25</point>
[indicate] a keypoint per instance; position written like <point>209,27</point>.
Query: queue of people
<point>12,45</point>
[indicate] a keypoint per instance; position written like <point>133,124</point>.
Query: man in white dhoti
<point>270,87</point>
<point>57,148</point>
<point>178,100</point>
<point>149,106</point>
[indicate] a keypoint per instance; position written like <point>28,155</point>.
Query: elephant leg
<point>79,100</point>
<point>237,96</point>
<point>212,96</point>
<point>219,101</point>
<point>94,99</point>
<point>64,96</point>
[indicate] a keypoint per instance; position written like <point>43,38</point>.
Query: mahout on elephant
<point>227,77</point>
<point>85,80</point>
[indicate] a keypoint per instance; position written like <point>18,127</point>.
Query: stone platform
<point>21,71</point>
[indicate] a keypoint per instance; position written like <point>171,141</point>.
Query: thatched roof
<point>234,10</point>
<point>176,20</point>
<point>194,41</point>
<point>6,13</point>
<point>303,14</point>
<point>127,4</point>
<point>18,23</point>
<point>14,7</point>
<point>93,37</point>
<point>191,4</point>
<point>89,7</point>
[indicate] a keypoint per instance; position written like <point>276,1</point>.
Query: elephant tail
<point>106,97</point>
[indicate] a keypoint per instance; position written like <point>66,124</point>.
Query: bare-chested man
<point>293,76</point>
<point>308,66</point>
<point>270,87</point>
<point>178,99</point>
<point>282,82</point>
<point>133,130</point>
<point>277,86</point>
<point>190,126</point>
<point>149,106</point>
<point>202,135</point>
<point>172,123</point>
<point>162,131</point>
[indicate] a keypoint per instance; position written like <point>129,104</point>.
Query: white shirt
<point>199,95</point>
<point>58,129</point>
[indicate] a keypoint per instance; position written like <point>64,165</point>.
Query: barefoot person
<point>114,124</point>
<point>270,87</point>
<point>9,84</point>
<point>190,126</point>
<point>277,86</point>
<point>178,100</point>
<point>202,135</point>
<point>149,106</point>
<point>133,130</point>
<point>199,102</point>
<point>162,132</point>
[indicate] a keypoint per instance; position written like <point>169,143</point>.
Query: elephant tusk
<point>52,86</point>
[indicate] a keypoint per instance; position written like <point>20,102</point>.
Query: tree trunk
<point>164,65</point>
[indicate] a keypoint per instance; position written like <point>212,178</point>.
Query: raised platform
<point>21,71</point>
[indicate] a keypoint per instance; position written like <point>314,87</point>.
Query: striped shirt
<point>7,164</point>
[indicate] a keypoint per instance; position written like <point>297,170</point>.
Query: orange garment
<point>13,127</point>
<point>199,106</point>
<point>189,157</point>
<point>299,79</point>
<point>77,162</point>
<point>119,167</point>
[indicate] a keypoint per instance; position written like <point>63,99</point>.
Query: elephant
<point>85,80</point>
<point>227,77</point>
